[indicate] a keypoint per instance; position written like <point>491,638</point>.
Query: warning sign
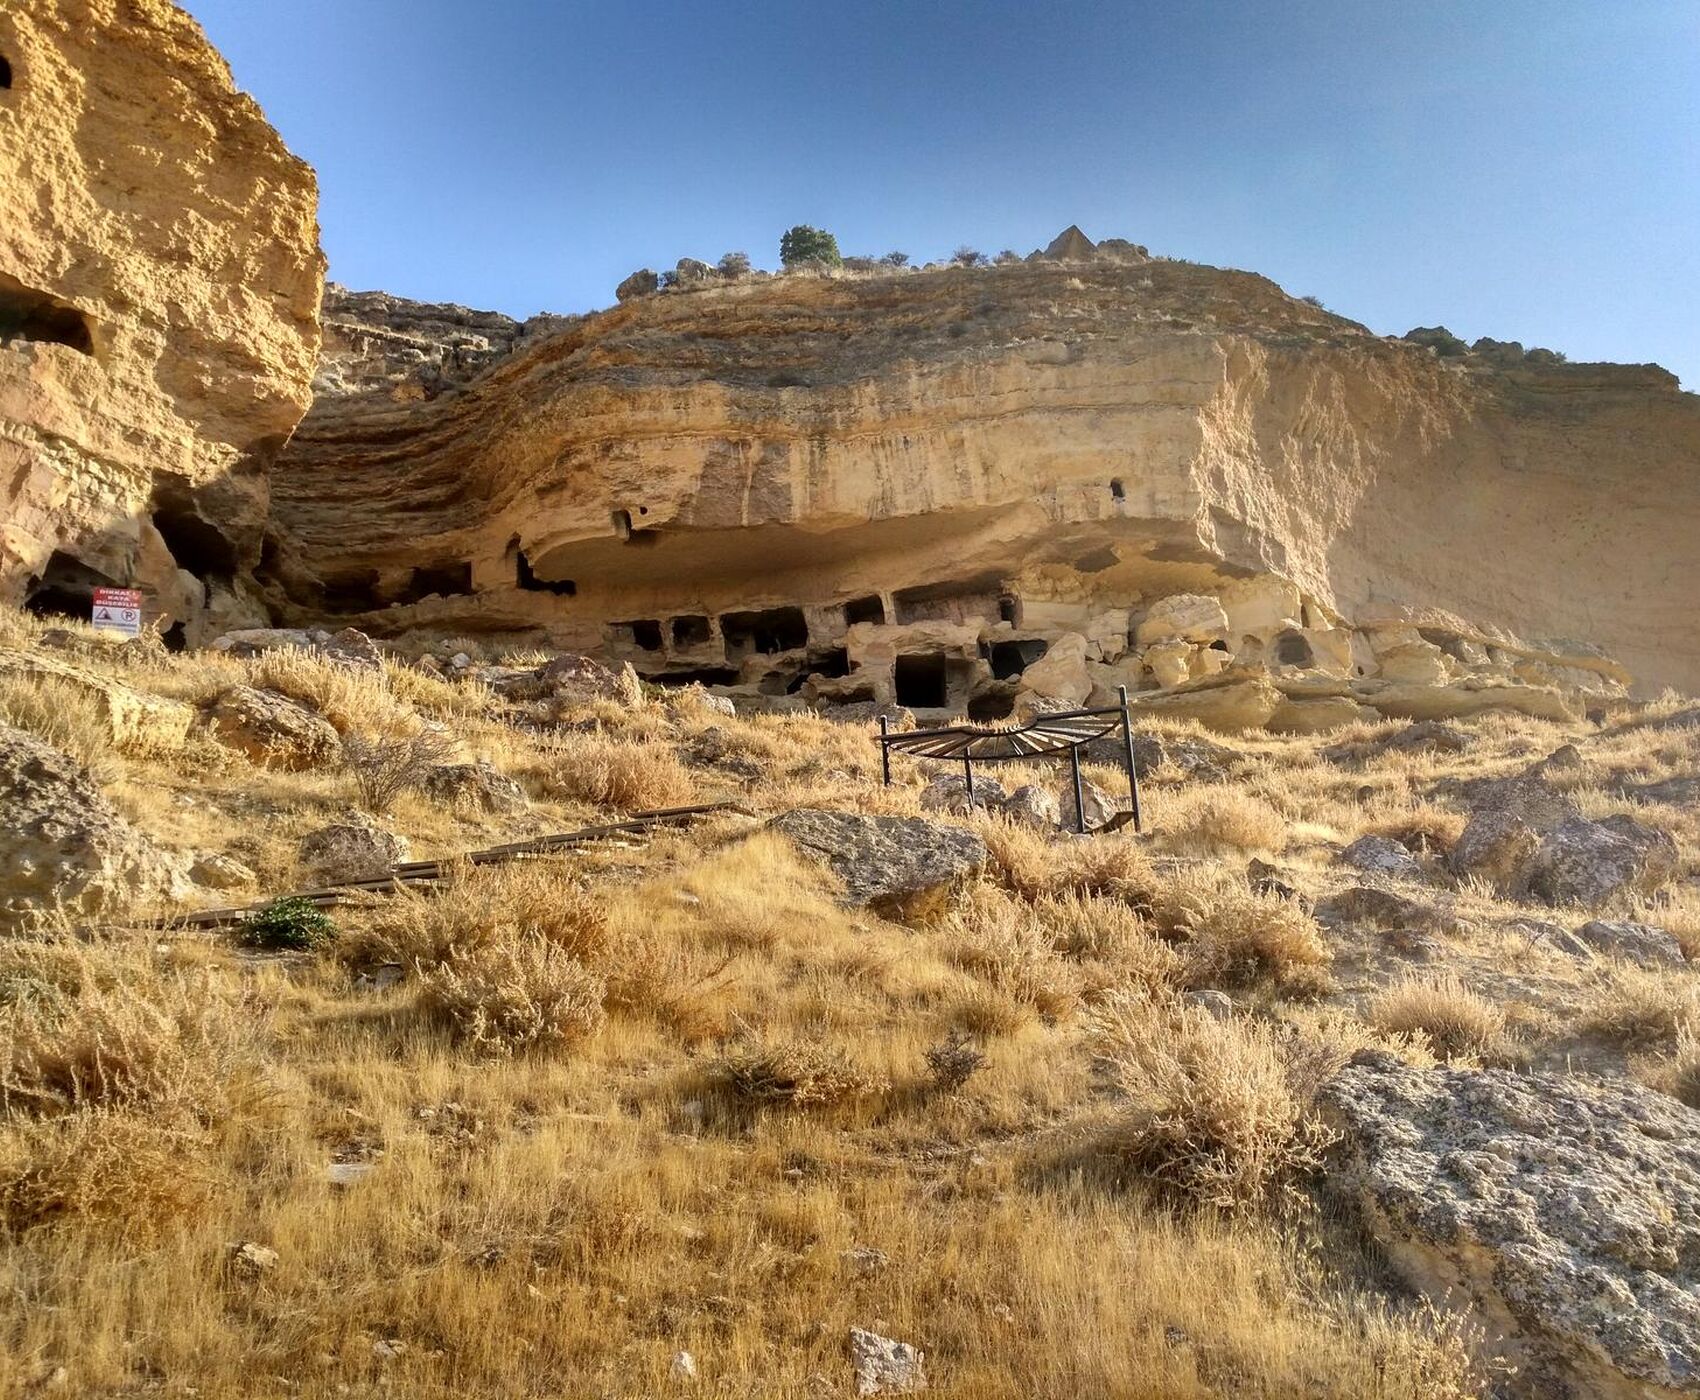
<point>118,610</point>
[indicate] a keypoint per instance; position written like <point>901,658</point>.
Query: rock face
<point>159,290</point>
<point>900,866</point>
<point>1564,1211</point>
<point>65,845</point>
<point>761,484</point>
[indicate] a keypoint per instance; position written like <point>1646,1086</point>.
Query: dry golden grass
<point>527,993</point>
<point>1217,1110</point>
<point>1457,1023</point>
<point>627,775</point>
<point>1209,821</point>
<point>1642,1010</point>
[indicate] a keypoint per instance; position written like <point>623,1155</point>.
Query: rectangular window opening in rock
<point>921,681</point>
<point>449,580</point>
<point>643,633</point>
<point>869,609</point>
<point>692,630</point>
<point>767,632</point>
<point>960,600</point>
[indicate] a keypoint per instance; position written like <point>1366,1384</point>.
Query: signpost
<point>118,610</point>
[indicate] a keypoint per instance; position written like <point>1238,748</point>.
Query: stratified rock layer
<point>760,482</point>
<point>159,290</point>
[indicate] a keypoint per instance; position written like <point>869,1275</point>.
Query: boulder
<point>885,1367</point>
<point>1378,855</point>
<point>1563,1212</point>
<point>640,284</point>
<point>1461,699</point>
<point>573,680</point>
<point>1261,606</point>
<point>65,845</point>
<point>948,792</point>
<point>1098,804</point>
<point>1586,863</point>
<point>272,730</point>
<point>1061,674</point>
<point>689,272</point>
<point>1508,818</point>
<point>220,872</point>
<point>1638,943</point>
<point>1186,617</point>
<point>899,866</point>
<point>135,722</point>
<point>1170,662</point>
<point>350,850</point>
<point>1683,791</point>
<point>476,785</point>
<point>1421,736</point>
<point>349,647</point>
<point>1229,703</point>
<point>1319,715</point>
<point>1032,805</point>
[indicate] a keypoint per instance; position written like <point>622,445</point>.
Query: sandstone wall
<point>1022,452</point>
<point>159,289</point>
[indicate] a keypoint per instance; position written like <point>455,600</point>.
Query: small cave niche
<point>1010,659</point>
<point>700,675</point>
<point>1292,649</point>
<point>175,637</point>
<point>869,609</point>
<point>450,580</point>
<point>1218,645</point>
<point>622,523</point>
<point>767,632</point>
<point>691,630</point>
<point>196,545</point>
<point>65,588</point>
<point>527,579</point>
<point>27,314</point>
<point>962,600</point>
<point>644,633</point>
<point>5,72</point>
<point>1118,492</point>
<point>352,592</point>
<point>994,702</point>
<point>830,665</point>
<point>921,681</point>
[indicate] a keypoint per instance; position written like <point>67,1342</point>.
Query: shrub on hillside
<point>293,923</point>
<point>805,244</point>
<point>523,994</point>
<point>385,767</point>
<point>732,266</point>
<point>1456,1022</point>
<point>796,1074</point>
<point>895,259</point>
<point>968,257</point>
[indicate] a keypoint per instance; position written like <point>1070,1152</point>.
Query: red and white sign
<point>118,610</point>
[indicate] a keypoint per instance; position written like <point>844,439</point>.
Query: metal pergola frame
<point>1041,737</point>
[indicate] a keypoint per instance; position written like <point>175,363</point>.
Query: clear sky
<point>1526,169</point>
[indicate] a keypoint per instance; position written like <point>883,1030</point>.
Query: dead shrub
<point>1218,1111</point>
<point>1456,1022</point>
<point>1002,943</point>
<point>1237,937</point>
<point>134,1174</point>
<point>514,996</point>
<point>795,1074</point>
<point>627,776</point>
<point>953,1062</point>
<point>1422,831</point>
<point>385,767</point>
<point>1110,942</point>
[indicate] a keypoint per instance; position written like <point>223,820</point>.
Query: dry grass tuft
<point>627,776</point>
<point>524,994</point>
<point>796,1074</point>
<point>1457,1023</point>
<point>1236,937</point>
<point>1644,1010</point>
<point>1212,821</point>
<point>1219,1111</point>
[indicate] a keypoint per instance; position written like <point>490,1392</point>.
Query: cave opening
<point>921,681</point>
<point>691,630</point>
<point>869,609</point>
<point>700,675</point>
<point>528,580</point>
<point>770,631</point>
<point>26,314</point>
<point>65,588</point>
<point>196,545</point>
<point>1291,649</point>
<point>450,580</point>
<point>5,71</point>
<point>959,600</point>
<point>1010,659</point>
<point>995,702</point>
<point>1118,492</point>
<point>353,592</point>
<point>175,637</point>
<point>644,633</point>
<point>622,523</point>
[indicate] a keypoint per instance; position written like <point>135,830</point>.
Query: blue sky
<point>1526,169</point>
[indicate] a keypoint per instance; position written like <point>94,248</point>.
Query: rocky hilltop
<point>912,485</point>
<point>159,292</point>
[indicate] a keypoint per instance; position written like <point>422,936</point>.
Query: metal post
<point>1132,766</point>
<point>968,774</point>
<point>885,751</point>
<point>1079,803</point>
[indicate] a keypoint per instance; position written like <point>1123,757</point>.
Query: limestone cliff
<point>769,480</point>
<point>159,289</point>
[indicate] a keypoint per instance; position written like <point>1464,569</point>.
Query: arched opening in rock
<point>869,609</point>
<point>622,522</point>
<point>1218,645</point>
<point>26,314</point>
<point>1010,659</point>
<point>1118,492</point>
<point>5,71</point>
<point>529,581</point>
<point>644,633</point>
<point>775,630</point>
<point>195,544</point>
<point>691,630</point>
<point>65,588</point>
<point>175,637</point>
<point>450,580</point>
<point>1291,649</point>
<point>922,681</point>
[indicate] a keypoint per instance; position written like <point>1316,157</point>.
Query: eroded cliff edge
<point>715,481</point>
<point>160,276</point>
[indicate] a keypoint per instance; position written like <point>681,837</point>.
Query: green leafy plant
<point>295,923</point>
<point>805,244</point>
